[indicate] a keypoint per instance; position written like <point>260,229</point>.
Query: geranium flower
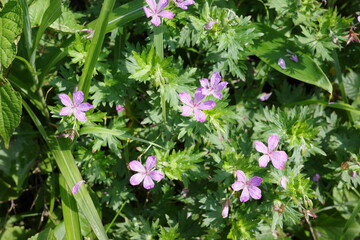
<point>183,3</point>
<point>250,188</point>
<point>352,37</point>
<point>156,11</point>
<point>210,24</point>
<point>213,87</point>
<point>77,106</point>
<point>283,182</point>
<point>264,96</point>
<point>195,106</point>
<point>75,189</point>
<point>146,174</point>
<point>119,108</point>
<point>278,158</point>
<point>282,63</point>
<point>358,18</point>
<point>225,208</point>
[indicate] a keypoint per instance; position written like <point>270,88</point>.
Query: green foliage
<point>11,20</point>
<point>10,111</point>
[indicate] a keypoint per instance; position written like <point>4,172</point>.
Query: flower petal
<point>215,79</point>
<point>199,115</point>
<point>207,105</point>
<point>282,63</point>
<point>218,95</point>
<point>238,185</point>
<point>152,4</point>
<point>278,159</point>
<point>156,175</point>
<point>221,86</point>
<point>241,176</point>
<point>204,82</point>
<point>166,14</point>
<point>245,196</point>
<point>264,160</point>
<point>65,99</point>
<point>66,111</point>
<point>137,178</point>
<point>283,182</point>
<point>255,181</point>
<point>186,98</point>
<point>260,147</point>
<point>187,111</point>
<point>78,97</point>
<point>198,97</point>
<point>75,189</point>
<point>162,4</point>
<point>148,12</point>
<point>150,162</point>
<point>137,166</point>
<point>273,141</point>
<point>225,208</point>
<point>85,107</point>
<point>148,182</point>
<point>80,115</point>
<point>155,20</point>
<point>255,192</point>
<point>119,108</point>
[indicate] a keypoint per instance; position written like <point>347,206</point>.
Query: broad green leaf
<point>10,27</point>
<point>10,111</point>
<point>274,45</point>
<point>70,211</point>
<point>123,14</point>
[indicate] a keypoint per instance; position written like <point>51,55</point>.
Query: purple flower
<point>119,108</point>
<point>278,158</point>
<point>213,87</point>
<point>77,106</point>
<point>225,208</point>
<point>250,188</point>
<point>264,96</point>
<point>183,3</point>
<point>195,105</point>
<point>146,174</point>
<point>282,63</point>
<point>156,11</point>
<point>210,24</point>
<point>316,177</point>
<point>293,56</point>
<point>358,18</point>
<point>75,189</point>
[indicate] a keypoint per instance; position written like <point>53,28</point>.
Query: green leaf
<point>70,211</point>
<point>10,26</point>
<point>273,45</point>
<point>10,111</point>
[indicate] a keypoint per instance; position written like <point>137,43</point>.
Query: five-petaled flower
<point>250,188</point>
<point>195,106</point>
<point>77,106</point>
<point>213,87</point>
<point>146,174</point>
<point>278,158</point>
<point>156,11</point>
<point>183,3</point>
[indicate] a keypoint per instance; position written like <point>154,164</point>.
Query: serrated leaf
<point>10,26</point>
<point>273,45</point>
<point>10,111</point>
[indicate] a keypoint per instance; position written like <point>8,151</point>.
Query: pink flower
<point>90,33</point>
<point>278,158</point>
<point>195,106</point>
<point>156,11</point>
<point>250,188</point>
<point>354,174</point>
<point>283,182</point>
<point>213,87</point>
<point>358,18</point>
<point>77,106</point>
<point>183,3</point>
<point>210,24</point>
<point>119,108</point>
<point>146,174</point>
<point>282,63</point>
<point>75,189</point>
<point>225,208</point>
<point>264,96</point>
